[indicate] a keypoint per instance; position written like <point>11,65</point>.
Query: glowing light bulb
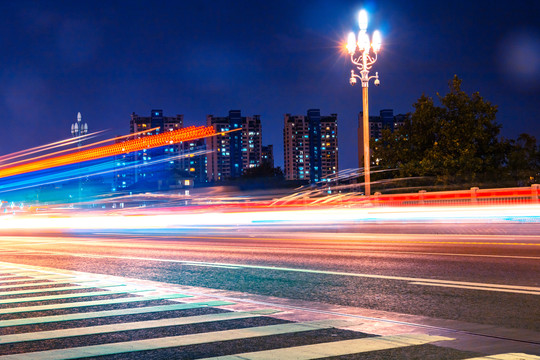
<point>351,43</point>
<point>363,20</point>
<point>377,41</point>
<point>363,41</point>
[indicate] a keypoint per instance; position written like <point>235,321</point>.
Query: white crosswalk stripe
<point>509,356</point>
<point>128,304</point>
<point>336,348</point>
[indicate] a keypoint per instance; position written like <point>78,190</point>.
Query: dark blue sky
<point>108,59</point>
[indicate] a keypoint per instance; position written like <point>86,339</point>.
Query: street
<point>477,273</point>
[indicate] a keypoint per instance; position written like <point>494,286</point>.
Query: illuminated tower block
<point>310,146</point>
<point>238,147</point>
<point>152,167</point>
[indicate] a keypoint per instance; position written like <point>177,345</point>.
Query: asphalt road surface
<point>486,274</point>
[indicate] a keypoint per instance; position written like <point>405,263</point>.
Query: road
<point>479,272</point>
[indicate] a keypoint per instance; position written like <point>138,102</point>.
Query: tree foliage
<point>523,160</point>
<point>456,142</point>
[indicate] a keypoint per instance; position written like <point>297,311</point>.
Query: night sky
<point>108,59</point>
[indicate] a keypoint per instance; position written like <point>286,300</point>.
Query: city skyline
<point>110,60</point>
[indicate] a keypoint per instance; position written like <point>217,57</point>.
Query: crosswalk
<point>60,315</point>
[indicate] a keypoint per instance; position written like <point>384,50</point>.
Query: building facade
<point>310,146</point>
<point>251,142</point>
<point>192,162</point>
<point>296,147</point>
<point>149,168</point>
<point>237,146</point>
<point>385,120</point>
<point>329,145</point>
<point>267,155</point>
<point>155,120</point>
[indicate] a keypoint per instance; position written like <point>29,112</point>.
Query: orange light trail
<point>147,142</point>
<point>72,150</point>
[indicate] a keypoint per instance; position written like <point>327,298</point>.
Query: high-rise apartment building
<point>151,168</point>
<point>236,147</point>
<point>329,145</point>
<point>296,147</point>
<point>192,162</point>
<point>267,155</point>
<point>310,146</point>
<point>156,119</point>
<point>385,120</point>
<point>251,141</point>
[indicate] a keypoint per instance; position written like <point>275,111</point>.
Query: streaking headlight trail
<point>245,217</point>
<point>146,142</point>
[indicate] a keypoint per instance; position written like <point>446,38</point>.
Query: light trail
<point>187,217</point>
<point>111,244</point>
<point>87,171</point>
<point>68,142</point>
<point>45,147</point>
<point>305,242</point>
<point>128,146</point>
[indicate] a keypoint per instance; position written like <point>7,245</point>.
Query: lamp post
<point>360,50</point>
<point>79,129</point>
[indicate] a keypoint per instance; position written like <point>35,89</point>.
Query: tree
<point>523,160</point>
<point>454,142</point>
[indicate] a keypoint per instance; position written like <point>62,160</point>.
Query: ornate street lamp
<point>364,54</point>
<point>79,129</point>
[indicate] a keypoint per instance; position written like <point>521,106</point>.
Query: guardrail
<point>474,196</point>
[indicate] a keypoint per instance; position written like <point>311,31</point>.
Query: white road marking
<point>509,356</point>
<point>127,326</point>
<point>336,348</point>
<point>177,341</point>
<point>480,286</point>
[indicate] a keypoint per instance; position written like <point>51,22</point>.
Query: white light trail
<point>167,219</point>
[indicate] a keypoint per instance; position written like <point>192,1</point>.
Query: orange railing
<point>474,196</point>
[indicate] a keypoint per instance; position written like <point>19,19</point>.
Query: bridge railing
<point>474,196</point>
